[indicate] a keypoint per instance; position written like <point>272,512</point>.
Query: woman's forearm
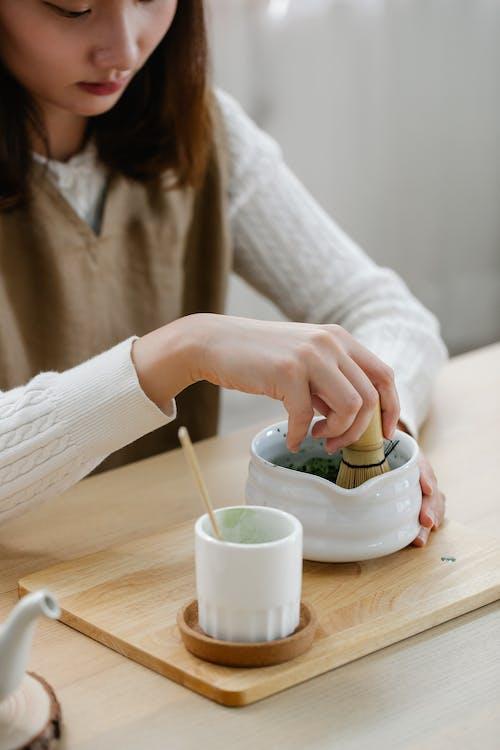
<point>59,426</point>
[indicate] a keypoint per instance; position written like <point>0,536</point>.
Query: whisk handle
<point>372,438</point>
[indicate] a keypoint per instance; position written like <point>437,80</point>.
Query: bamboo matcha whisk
<point>365,458</point>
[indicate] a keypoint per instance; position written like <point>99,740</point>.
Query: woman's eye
<point>68,13</point>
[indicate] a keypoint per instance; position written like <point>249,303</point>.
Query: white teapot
<point>28,707</point>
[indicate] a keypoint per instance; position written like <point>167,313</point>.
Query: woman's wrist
<point>166,360</point>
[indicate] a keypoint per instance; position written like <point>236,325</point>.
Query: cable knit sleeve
<point>291,251</point>
<point>60,426</point>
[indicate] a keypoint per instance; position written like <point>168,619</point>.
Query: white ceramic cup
<point>249,585</point>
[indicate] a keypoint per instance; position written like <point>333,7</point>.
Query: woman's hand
<point>303,365</point>
<point>433,502</point>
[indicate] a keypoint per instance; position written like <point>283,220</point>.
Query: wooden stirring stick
<point>195,468</point>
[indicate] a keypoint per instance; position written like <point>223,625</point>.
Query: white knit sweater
<point>55,429</point>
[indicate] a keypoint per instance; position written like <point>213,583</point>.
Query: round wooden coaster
<point>236,654</point>
<point>30,719</point>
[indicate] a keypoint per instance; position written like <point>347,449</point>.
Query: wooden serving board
<point>127,597</point>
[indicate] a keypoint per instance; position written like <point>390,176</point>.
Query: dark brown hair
<point>161,122</point>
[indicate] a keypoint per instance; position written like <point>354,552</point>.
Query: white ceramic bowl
<point>372,520</point>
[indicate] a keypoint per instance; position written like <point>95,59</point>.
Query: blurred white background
<point>388,112</point>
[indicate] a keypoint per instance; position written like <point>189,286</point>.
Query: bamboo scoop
<point>365,458</point>
<point>195,468</point>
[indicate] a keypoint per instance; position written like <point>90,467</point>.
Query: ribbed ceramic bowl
<point>372,520</point>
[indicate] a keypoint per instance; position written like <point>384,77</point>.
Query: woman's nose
<point>119,47</point>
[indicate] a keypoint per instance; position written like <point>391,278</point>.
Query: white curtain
<point>389,112</point>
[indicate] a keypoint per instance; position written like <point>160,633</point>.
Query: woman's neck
<point>67,134</point>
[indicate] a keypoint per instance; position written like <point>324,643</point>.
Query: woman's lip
<point>103,89</point>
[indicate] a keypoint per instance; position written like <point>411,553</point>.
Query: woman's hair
<point>161,122</point>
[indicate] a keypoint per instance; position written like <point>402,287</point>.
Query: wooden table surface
<point>439,689</point>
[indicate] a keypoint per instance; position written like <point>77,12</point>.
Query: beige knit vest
<point>67,294</point>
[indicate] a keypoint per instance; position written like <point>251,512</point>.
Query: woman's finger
<point>422,538</point>
<point>428,512</point>
<point>336,392</point>
<point>297,401</point>
<point>431,516</point>
<point>370,398</point>
<point>428,480</point>
<point>382,377</point>
<point>320,405</point>
<point>364,388</point>
<point>426,484</point>
<point>432,510</point>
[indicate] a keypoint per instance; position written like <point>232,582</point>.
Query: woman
<point>128,189</point>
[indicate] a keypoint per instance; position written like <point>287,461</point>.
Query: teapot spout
<point>16,635</point>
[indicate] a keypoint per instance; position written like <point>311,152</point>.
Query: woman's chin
<point>89,105</point>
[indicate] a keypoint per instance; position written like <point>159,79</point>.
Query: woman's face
<point>51,48</point>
